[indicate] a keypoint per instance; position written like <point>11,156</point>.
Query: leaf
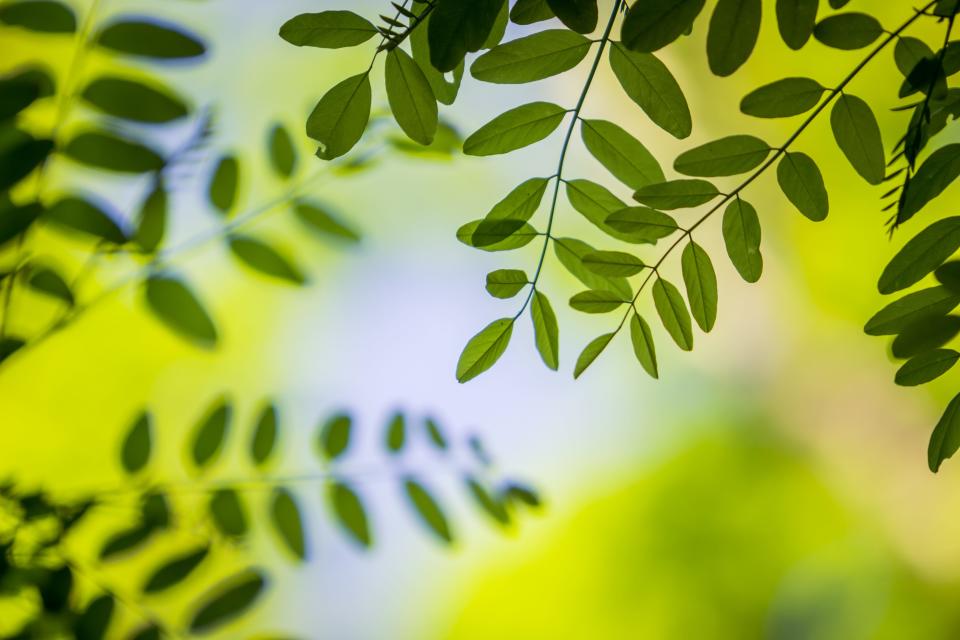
<point>643,346</point>
<point>734,28</point>
<point>728,156</point>
<point>596,204</point>
<point>327,30</point>
<point>487,503</point>
<point>613,263</point>
<point>858,135</point>
<point>82,215</point>
<point>676,194</point>
<point>642,224</point>
<point>264,435</point>
<point>48,282</point>
<point>516,493</point>
<point>545,330</point>
<point>526,12</point>
<point>152,221</point>
<point>578,15</point>
<point>153,39</point>
<point>673,313</point>
<point>926,367</point>
<point>283,155</point>
<point>590,353</point>
<point>263,258</point>
<point>135,452</point>
<point>149,631</point>
<point>211,433</point>
<point>908,52</point>
<point>795,20</point>
<point>741,234</point>
<point>937,172</point>
<point>21,158</point>
<point>496,235</point>
<point>95,620</point>
<point>514,129</point>
<point>700,281</point>
<point>224,184</point>
<point>900,314</point>
<point>110,152</point>
<point>522,202</point>
<point>396,433</point>
<point>570,252</point>
<point>925,335</point>
<point>848,30</point>
<point>177,306</point>
<point>288,522</point>
<point>340,118</point>
<point>335,436</point>
<point>653,24</point>
<point>17,220</point>
<point>444,89</point>
<point>921,255</point>
<point>458,27</point>
<point>623,155</point>
<point>44,16</point>
<point>134,100</point>
<point>174,571</point>
<point>125,541</point>
<point>506,283</point>
<point>228,513</point>
<point>801,181</point>
<point>649,83</point>
<point>782,98</point>
<point>596,301</point>
<point>945,439</point>
<point>229,600</point>
<point>317,218</point>
<point>948,274</point>
<point>484,349</point>
<point>16,94</point>
<point>428,510</point>
<point>435,433</point>
<point>534,57</point>
<point>350,513</point>
<point>410,96</point>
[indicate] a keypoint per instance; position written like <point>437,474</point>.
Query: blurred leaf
<point>226,509</point>
<point>152,224</point>
<point>596,301</point>
<point>435,433</point>
<point>946,436</point>
<point>613,263</point>
<point>19,157</point>
<point>108,151</point>
<point>151,39</point>
<point>264,435</point>
<point>643,345</point>
<point>327,29</point>
<point>224,184</point>
<point>261,257</point>
<point>848,30</point>
<point>921,255</point>
<point>55,590</point>
<point>673,313</point>
<point>801,181</point>
<point>82,215</point>
<point>649,83</point>
<point>16,220</point>
<point>795,20</point>
<point>513,492</point>
<point>734,28</point>
<point>177,306</point>
<point>10,345</point>
<point>45,16</point>
<point>283,155</point>
<point>47,281</point>
<point>95,620</point>
<point>134,100</point>
<point>125,541</point>
<point>700,281</point>
<point>484,349</point>
<point>340,118</point>
<point>228,601</point>
<point>148,632</point>
<point>653,24</point>
<point>623,155</point>
<point>531,58</point>
<point>396,433</point>
<point>741,234</point>
<point>590,353</point>
<point>320,220</point>
<point>410,97</point>
<point>288,522</point>
<point>211,433</point>
<point>335,436</point>
<point>350,513</point>
<point>858,135</point>
<point>506,283</point>
<point>490,504</point>
<point>676,194</point>
<point>899,314</point>
<point>783,98</point>
<point>728,156</point>
<point>174,571</point>
<point>428,510</point>
<point>926,367</point>
<point>514,129</point>
<point>137,445</point>
<point>545,329</point>
<point>444,89</point>
<point>16,94</point>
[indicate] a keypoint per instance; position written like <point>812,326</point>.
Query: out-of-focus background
<point>772,484</point>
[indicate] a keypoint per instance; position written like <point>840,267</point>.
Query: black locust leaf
<point>211,433</point>
<point>177,306</point>
<point>649,83</point>
<point>579,15</point>
<point>102,150</point>
<point>597,301</point>
<point>327,30</point>
<point>137,445</point>
<point>802,183</point>
<point>506,283</point>
<point>673,313</point>
<point>152,220</point>
<point>741,234</point>
<point>149,631</point>
<point>350,513</point>
<point>264,435</point>
<point>522,202</point>
<point>911,308</point>
<point>396,433</point>
<point>590,353</point>
<point>489,504</point>
<point>676,194</point>
<point>926,367</point>
<point>642,224</point>
<point>94,622</point>
<point>700,280</point>
<point>925,335</point>
<point>484,349</point>
<point>643,346</point>
<point>623,155</point>
<point>848,30</point>
<point>445,86</point>
<point>153,39</point>
<point>734,28</point>
<point>496,235</point>
<point>134,100</point>
<point>224,184</point>
<point>340,118</point>
<point>728,156</point>
<point>795,20</point>
<point>16,94</point>
<point>653,24</point>
<point>858,135</point>
<point>320,220</point>
<point>263,258</point>
<point>457,28</point>
<point>937,172</point>
<point>283,155</point>
<point>16,220</point>
<point>228,601</point>
<point>20,157</point>
<point>174,571</point>
<point>571,252</point>
<point>545,330</point>
<point>428,510</point>
<point>530,12</point>
<point>48,282</point>
<point>514,129</point>
<point>411,97</point>
<point>782,98</point>
<point>82,215</point>
<point>435,434</point>
<point>946,436</point>
<point>227,511</point>
<point>334,437</point>
<point>921,255</point>
<point>44,16</point>
<point>596,203</point>
<point>288,522</point>
<point>613,263</point>
<point>531,58</point>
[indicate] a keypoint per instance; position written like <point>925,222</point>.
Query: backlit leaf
<point>534,57</point>
<point>410,96</point>
<point>152,220</point>
<point>701,283</point>
<point>676,194</point>
<point>283,155</point>
<point>288,522</point>
<point>571,252</point>
<point>227,511</point>
<point>728,156</point>
<point>137,445</point>
<point>484,349</point>
<point>673,313</point>
<point>643,346</point>
<point>350,513</point>
<point>178,307</point>
<point>264,435</point>
<point>340,118</point>
<point>496,235</point>
<point>545,330</point>
<point>228,600</point>
<point>590,353</point>
<point>922,254</point>
<point>734,28</point>
<point>795,20</point>
<point>649,83</point>
<point>224,184</point>
<point>506,283</point>
<point>428,510</point>
<point>924,335</point>
<point>900,314</point>
<point>926,367</point>
<point>261,257</point>
<point>489,504</point>
<point>578,15</point>
<point>396,433</point>
<point>327,30</point>
<point>211,433</point>
<point>151,39</point>
<point>858,135</point>
<point>945,439</point>
<point>109,151</point>
<point>522,202</point>
<point>741,234</point>
<point>937,172</point>
<point>457,28</point>
<point>514,129</point>
<point>597,301</point>
<point>848,30</point>
<point>134,100</point>
<point>82,215</point>
<point>174,571</point>
<point>335,436</point>
<point>320,220</point>
<point>44,16</point>
<point>782,98</point>
<point>653,24</point>
<point>623,155</point>
<point>613,263</point>
<point>642,224</point>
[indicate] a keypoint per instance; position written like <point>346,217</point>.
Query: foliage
<point>440,34</point>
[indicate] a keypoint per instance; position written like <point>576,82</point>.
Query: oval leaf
<point>484,349</point>
<point>515,129</point>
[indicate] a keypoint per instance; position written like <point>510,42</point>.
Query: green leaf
<point>335,436</point>
<point>728,156</point>
<point>134,100</point>
<point>782,98</point>
<point>741,234</point>
<point>900,314</point>
<point>522,202</point>
<point>926,367</point>
<point>211,433</point>
<point>673,313</point>
<point>94,622</point>
<point>921,255</point>
<point>530,12</point>
<point>506,283</point>
<point>340,118</point>
<point>653,24</point>
<point>496,235</point>
<point>613,263</point>
<point>571,252</point>
<point>48,282</point>
<point>109,151</point>
<point>597,301</point>
<point>428,510</point>
<point>327,30</point>
<point>125,541</point>
<point>858,135</point>
<point>152,220</point>
<point>149,631</point>
<point>410,96</point>
<point>16,220</point>
<point>623,155</point>
<point>937,172</point>
<point>545,330</point>
<point>458,27</point>
<point>534,57</point>
<point>948,274</point>
<point>228,601</point>
<point>734,28</point>
<point>643,346</point>
<point>514,129</point>
<point>228,513</point>
<point>224,184</point>
<point>263,258</point>
<point>435,433</point>
<point>81,215</point>
<point>649,83</point>
<point>350,513</point>
<point>264,435</point>
<point>908,52</point>
<point>848,30</point>
<point>16,94</point>
<point>925,335</point>
<point>795,20</point>
<point>177,306</point>
<point>396,433</point>
<point>288,522</point>
<point>283,155</point>
<point>21,158</point>
<point>175,570</point>
<point>676,194</point>
<point>801,181</point>
<point>590,353</point>
<point>490,505</point>
<point>701,283</point>
<point>596,204</point>
<point>484,349</point>
<point>151,39</point>
<point>44,16</point>
<point>578,15</point>
<point>135,452</point>
<point>444,89</point>
<point>318,219</point>
<point>945,439</point>
<point>642,224</point>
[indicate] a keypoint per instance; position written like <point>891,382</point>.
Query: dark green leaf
<point>506,283</point>
<point>327,29</point>
<point>350,513</point>
<point>125,541</point>
<point>945,439</point>
<point>174,571</point>
<point>925,335</point>
<point>534,57</point>
<point>435,433</point>
<point>16,94</point>
<point>151,39</point>
<point>514,129</point>
<point>47,281</point>
<point>211,433</point>
<point>728,156</point>
<point>948,274</point>
<point>263,258</point>
<point>147,632</point>
<point>283,155</point>
<point>335,436</point>
<point>579,15</point>
<point>653,24</point>
<point>20,158</point>
<point>802,183</point>
<point>322,221</point>
<point>137,445</point>
<point>649,83</point>
<point>457,28</point>
<point>795,20</point>
<point>396,433</point>
<point>926,367</point>
<point>590,353</point>
<point>177,306</point>
<point>900,314</point>
<point>492,506</point>
<point>642,224</point>
<point>102,150</point>
<point>94,622</point>
<point>228,513</point>
<point>16,220</point>
<point>428,510</point>
<point>228,600</point>
<point>921,255</point>
<point>741,234</point>
<point>848,30</point>
<point>858,135</point>
<point>224,184</point>
<point>676,194</point>
<point>623,155</point>
<point>701,283</point>
<point>597,301</point>
<point>410,96</point>
<point>81,215</point>
<point>673,313</point>
<point>484,349</point>
<point>288,522</point>
<point>936,173</point>
<point>734,28</point>
<point>152,222</point>
<point>643,346</point>
<point>545,330</point>
<point>496,235</point>
<point>264,435</point>
<point>134,100</point>
<point>782,98</point>
<point>340,118</point>
<point>613,263</point>
<point>45,16</point>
